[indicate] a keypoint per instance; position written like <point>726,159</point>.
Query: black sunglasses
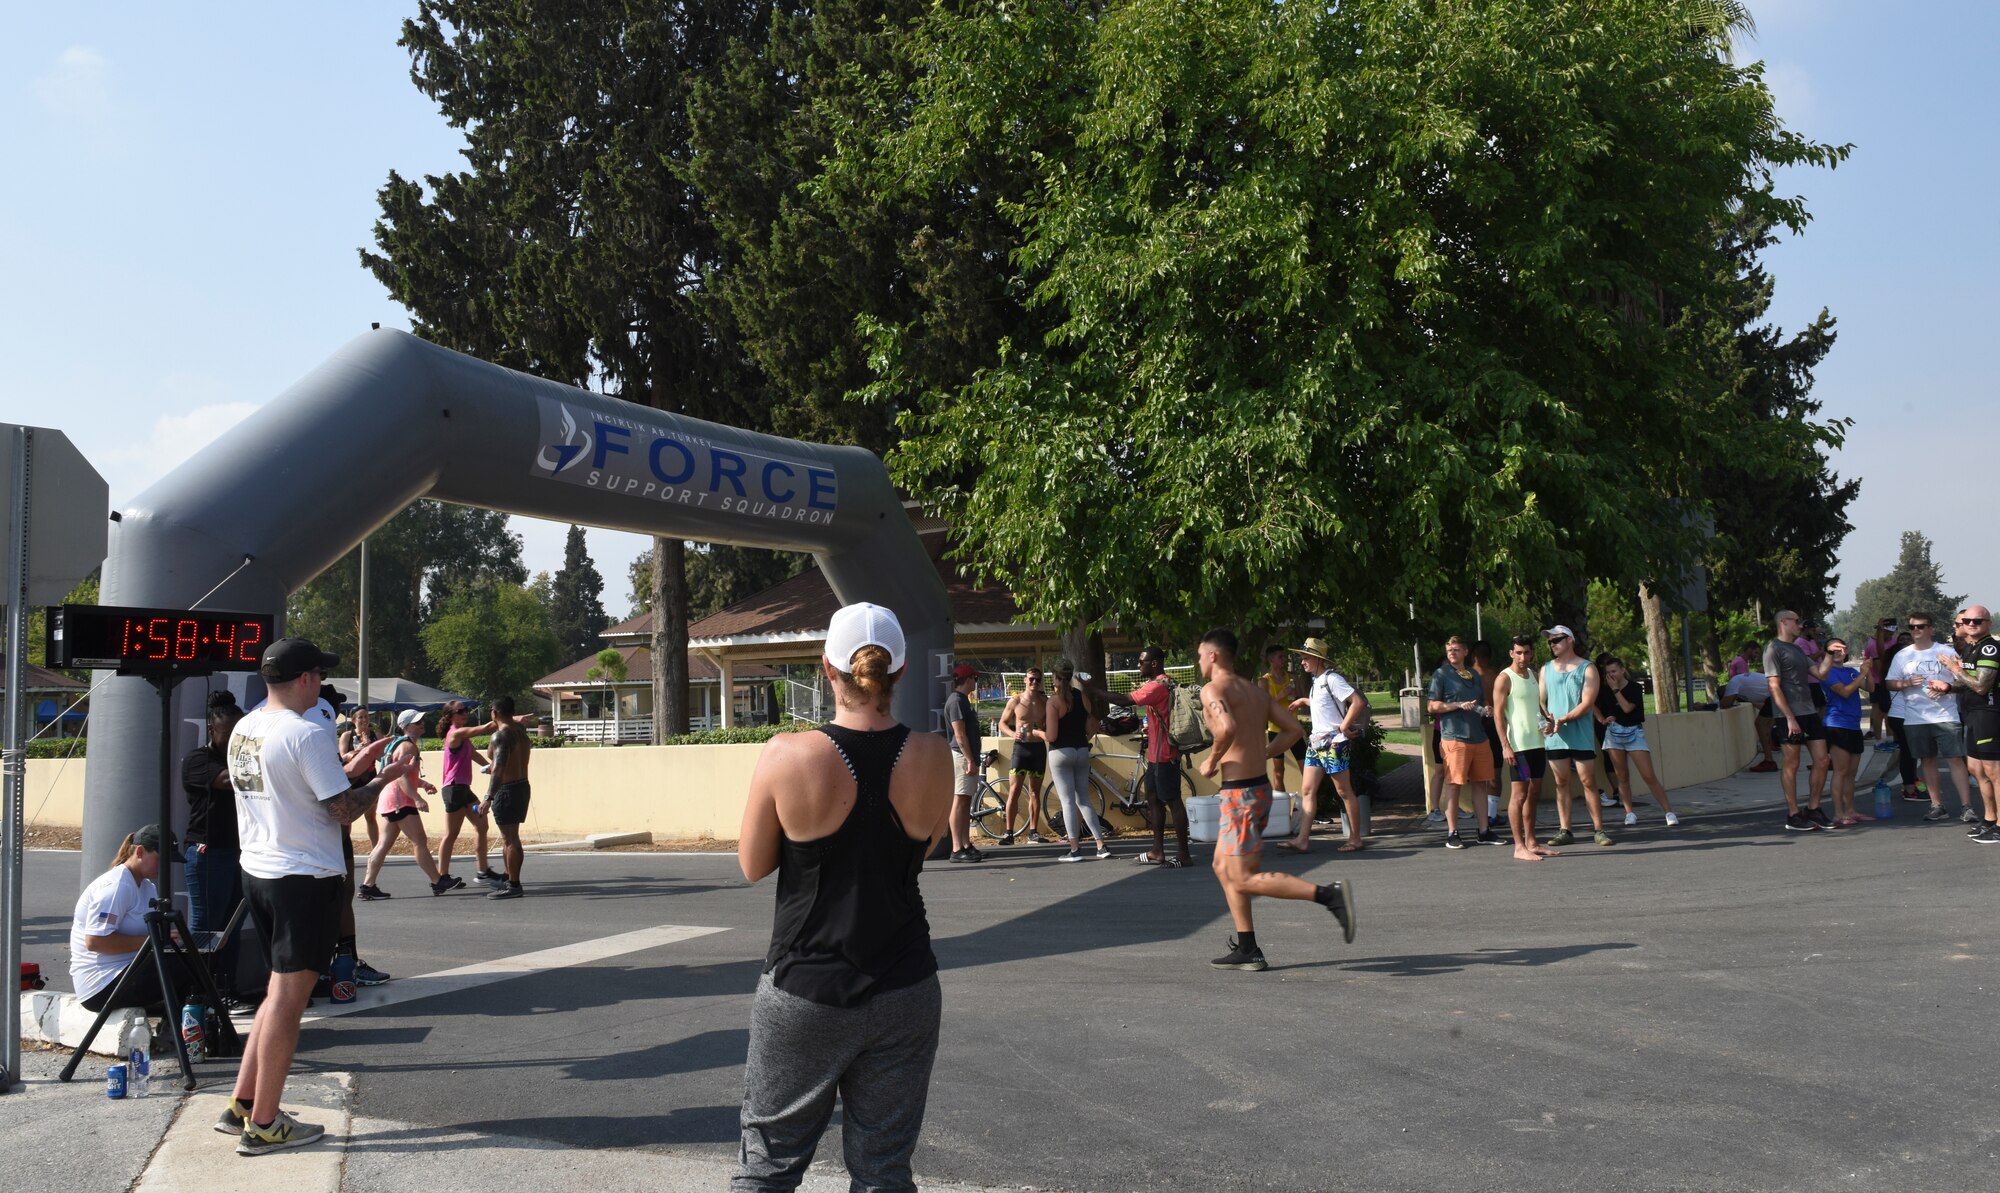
<point>1972,621</point>
<point>1920,625</point>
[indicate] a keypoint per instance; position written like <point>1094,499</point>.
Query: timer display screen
<point>141,640</point>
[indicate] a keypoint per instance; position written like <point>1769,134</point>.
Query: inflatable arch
<point>392,418</point>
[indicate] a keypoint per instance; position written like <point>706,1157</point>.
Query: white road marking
<point>466,977</point>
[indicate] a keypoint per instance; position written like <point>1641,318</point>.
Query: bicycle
<point>989,805</point>
<point>1104,793</point>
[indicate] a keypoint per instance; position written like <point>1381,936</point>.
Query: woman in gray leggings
<point>1068,731</point>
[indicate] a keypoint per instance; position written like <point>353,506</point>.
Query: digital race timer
<point>108,638</point>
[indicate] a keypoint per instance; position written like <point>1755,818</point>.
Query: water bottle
<point>193,1030</point>
<point>1885,798</point>
<point>138,1059</point>
<point>343,977</point>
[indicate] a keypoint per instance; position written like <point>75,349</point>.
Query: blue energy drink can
<point>115,1081</point>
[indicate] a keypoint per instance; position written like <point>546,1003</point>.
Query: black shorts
<point>458,797</point>
<point>1163,780</point>
<point>1584,757</point>
<point>400,814</point>
<point>1529,765</point>
<point>1493,740</point>
<point>1298,747</point>
<point>510,802</point>
<point>1982,734</point>
<point>1848,740</point>
<point>1879,695</point>
<point>1809,724</point>
<point>1437,751</point>
<point>297,918</point>
<point>1819,696</point>
<point>1030,758</point>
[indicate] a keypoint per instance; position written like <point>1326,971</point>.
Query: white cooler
<point>1205,816</point>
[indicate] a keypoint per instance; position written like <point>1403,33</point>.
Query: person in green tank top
<point>1569,694</point>
<point>1521,725</point>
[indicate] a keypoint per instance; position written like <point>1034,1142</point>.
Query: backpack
<point>1187,729</point>
<point>389,752</point>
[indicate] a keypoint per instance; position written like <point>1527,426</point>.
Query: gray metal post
<point>361,634</point>
<point>13,758</point>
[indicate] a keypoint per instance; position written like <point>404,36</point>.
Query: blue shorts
<point>1329,757</point>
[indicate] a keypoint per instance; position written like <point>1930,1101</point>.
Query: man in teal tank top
<point>1569,693</point>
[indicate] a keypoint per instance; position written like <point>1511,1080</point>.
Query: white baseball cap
<point>407,718</point>
<point>859,625</point>
<point>1561,631</point>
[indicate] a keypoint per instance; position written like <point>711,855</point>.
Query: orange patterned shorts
<point>1246,809</point>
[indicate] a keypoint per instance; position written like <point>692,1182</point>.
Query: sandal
<point>1147,859</point>
<point>1291,847</point>
<point>1350,847</point>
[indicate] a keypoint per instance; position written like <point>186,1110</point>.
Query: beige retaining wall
<point>692,792</point>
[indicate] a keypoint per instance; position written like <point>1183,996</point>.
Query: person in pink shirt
<point>460,804</point>
<point>1744,660</point>
<point>1163,761</point>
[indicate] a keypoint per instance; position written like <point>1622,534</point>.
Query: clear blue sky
<point>185,189</point>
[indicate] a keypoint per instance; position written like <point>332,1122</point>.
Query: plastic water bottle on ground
<point>138,1058</point>
<point>1885,798</point>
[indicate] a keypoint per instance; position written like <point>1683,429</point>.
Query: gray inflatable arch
<point>392,418</point>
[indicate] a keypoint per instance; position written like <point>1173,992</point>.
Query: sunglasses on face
<point>1920,625</point>
<point>1558,638</point>
<point>1972,621</point>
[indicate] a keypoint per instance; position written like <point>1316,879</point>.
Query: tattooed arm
<point>350,805</point>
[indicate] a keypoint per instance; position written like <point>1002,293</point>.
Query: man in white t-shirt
<point>1337,713</point>
<point>1920,686</point>
<point>293,803</point>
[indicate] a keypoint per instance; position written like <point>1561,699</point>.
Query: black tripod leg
<point>167,1000</point>
<point>195,963</point>
<point>110,1005</point>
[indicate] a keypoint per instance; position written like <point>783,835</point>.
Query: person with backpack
<point>399,805</point>
<point>1337,711</point>
<point>1067,729</point>
<point>1163,758</point>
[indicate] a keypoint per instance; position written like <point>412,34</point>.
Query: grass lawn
<point>1386,762</point>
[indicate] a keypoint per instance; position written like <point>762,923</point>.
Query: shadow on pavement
<point>1424,965</point>
<point>694,1124</point>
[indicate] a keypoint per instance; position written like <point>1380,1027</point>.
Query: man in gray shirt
<point>1795,722</point>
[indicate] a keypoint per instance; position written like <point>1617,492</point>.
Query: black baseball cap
<point>148,837</point>
<point>288,658</point>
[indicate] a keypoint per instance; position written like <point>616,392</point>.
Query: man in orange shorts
<point>1456,697</point>
<point>1236,709</point>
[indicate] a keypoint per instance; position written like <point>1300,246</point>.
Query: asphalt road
<point>1722,1007</point>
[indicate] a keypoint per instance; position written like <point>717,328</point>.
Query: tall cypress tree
<point>576,600</point>
<point>573,245</point>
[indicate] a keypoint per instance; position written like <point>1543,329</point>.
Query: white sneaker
<point>1103,851</point>
<point>1631,818</point>
<point>1607,801</point>
<point>1673,821</point>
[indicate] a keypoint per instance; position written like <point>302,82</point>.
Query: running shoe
<point>1631,818</point>
<point>1915,795</point>
<point>367,975</point>
<point>511,891</point>
<point>1565,837</point>
<point>962,855</point>
<point>1968,816</point>
<point>1489,837</point>
<point>1673,820</point>
<point>1818,817</point>
<point>1885,747</point>
<point>234,1115</point>
<point>1071,856</point>
<point>1798,822</point>
<point>1103,851</point>
<point>1601,837</point>
<point>1436,817</point>
<point>1453,841</point>
<point>284,1133</point>
<point>1763,768</point>
<point>1238,957</point>
<point>1606,801</point>
<point>1937,812</point>
<point>1987,835</point>
<point>372,893</point>
<point>1338,898</point>
<point>1034,838</point>
<point>446,882</point>
<point>490,875</point>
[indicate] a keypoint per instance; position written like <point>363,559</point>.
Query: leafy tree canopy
<point>416,560</point>
<point>1347,305</point>
<point>492,641</point>
<point>1914,585</point>
<point>718,576</point>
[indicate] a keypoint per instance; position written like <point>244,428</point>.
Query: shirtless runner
<point>1235,709</point>
<point>507,798</point>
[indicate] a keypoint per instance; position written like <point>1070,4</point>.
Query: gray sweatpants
<point>876,1056</point>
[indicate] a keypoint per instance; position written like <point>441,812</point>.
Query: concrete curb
<point>53,1017</point>
<point>593,841</point>
<point>194,1155</point>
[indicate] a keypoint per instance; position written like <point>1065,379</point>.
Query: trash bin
<point>1413,715</point>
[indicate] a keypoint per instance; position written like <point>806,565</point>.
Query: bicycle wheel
<point>989,812</point>
<point>1053,809</point>
<point>1103,798</point>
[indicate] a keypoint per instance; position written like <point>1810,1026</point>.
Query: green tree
<point>576,605</point>
<point>416,560</point>
<point>1914,585</point>
<point>573,246</point>
<point>718,576</point>
<point>1406,291</point>
<point>610,665</point>
<point>492,640</point>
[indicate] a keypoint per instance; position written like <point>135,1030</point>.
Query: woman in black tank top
<point>1068,730</point>
<point>849,999</point>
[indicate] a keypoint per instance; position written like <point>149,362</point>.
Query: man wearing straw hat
<point>1337,713</point>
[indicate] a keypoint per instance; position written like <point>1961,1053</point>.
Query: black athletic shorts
<point>1584,757</point>
<point>297,918</point>
<point>1493,740</point>
<point>1982,734</point>
<point>1298,747</point>
<point>1809,724</point>
<point>510,802</point>
<point>1529,765</point>
<point>1819,696</point>
<point>1437,751</point>
<point>458,797</point>
<point>1844,739</point>
<point>400,814</point>
<point>1031,758</point>
<point>1880,696</point>
<point>1163,779</point>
